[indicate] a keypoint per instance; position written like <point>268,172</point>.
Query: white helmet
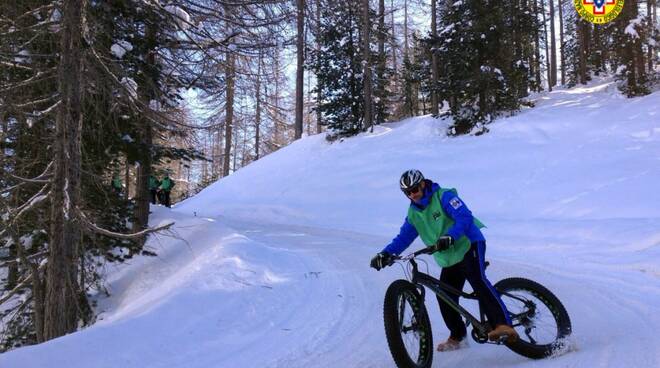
<point>410,178</point>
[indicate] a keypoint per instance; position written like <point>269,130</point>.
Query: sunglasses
<point>411,190</point>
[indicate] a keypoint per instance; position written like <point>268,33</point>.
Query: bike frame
<point>441,289</point>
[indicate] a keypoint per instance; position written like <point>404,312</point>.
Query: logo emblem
<point>455,202</point>
<point>598,11</point>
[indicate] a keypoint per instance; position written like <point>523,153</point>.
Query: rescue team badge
<point>455,202</point>
<point>598,11</point>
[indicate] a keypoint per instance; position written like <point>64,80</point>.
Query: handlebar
<point>415,254</point>
<point>425,250</point>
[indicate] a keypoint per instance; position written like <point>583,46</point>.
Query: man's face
<point>416,193</point>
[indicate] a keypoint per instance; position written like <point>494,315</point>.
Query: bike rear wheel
<point>537,315</point>
<point>407,326</point>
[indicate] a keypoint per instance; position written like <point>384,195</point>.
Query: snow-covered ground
<point>269,266</point>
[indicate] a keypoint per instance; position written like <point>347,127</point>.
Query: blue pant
<point>472,268</point>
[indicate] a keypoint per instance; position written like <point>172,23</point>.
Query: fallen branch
<point>39,179</point>
<point>7,263</point>
<point>99,230</point>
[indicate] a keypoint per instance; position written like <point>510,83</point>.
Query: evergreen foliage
<point>484,69</point>
<point>630,38</point>
<point>123,90</point>
<point>338,68</point>
<point>416,77</point>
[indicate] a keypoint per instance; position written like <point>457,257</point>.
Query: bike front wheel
<point>537,315</point>
<point>407,326</point>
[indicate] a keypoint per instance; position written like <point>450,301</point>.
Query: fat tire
<point>403,288</point>
<point>557,309</point>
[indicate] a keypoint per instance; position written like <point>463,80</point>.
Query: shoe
<point>505,332</point>
<point>452,344</point>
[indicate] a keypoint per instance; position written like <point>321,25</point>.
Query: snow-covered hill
<point>269,266</point>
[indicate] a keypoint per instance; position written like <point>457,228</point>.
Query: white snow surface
<point>631,27</point>
<point>269,266</point>
<point>182,18</point>
<point>130,86</point>
<point>120,48</point>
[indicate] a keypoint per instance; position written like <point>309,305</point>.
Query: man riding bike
<point>442,220</point>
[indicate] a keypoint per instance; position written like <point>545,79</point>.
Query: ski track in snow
<point>589,291</point>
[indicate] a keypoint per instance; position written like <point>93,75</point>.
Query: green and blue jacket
<point>440,212</point>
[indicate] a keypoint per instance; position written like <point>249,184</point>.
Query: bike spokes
<point>407,326</point>
<point>534,321</point>
<point>410,332</point>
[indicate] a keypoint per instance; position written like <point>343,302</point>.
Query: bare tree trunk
<point>553,46</point>
<point>319,127</point>
<point>235,150</point>
<point>537,51</point>
<point>127,178</point>
<point>598,61</point>
<point>142,195</point>
<point>275,135</point>
<point>39,300</point>
<point>395,67</point>
<point>561,42</point>
<point>583,31</point>
<point>366,26</point>
<point>229,114</point>
<point>307,114</point>
<point>641,63</point>
<point>651,13</point>
<point>308,105</point>
<point>12,271</point>
<point>405,29</point>
<point>545,37</point>
<point>381,59</point>
<point>639,58</point>
<point>300,68</point>
<point>61,310</point>
<point>38,287</point>
<point>258,108</point>
<point>216,149</point>
<point>205,169</point>
<point>434,61</point>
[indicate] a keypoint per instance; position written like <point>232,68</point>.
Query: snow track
<point>252,294</point>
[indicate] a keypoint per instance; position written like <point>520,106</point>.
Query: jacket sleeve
<point>407,235</point>
<point>455,208</point>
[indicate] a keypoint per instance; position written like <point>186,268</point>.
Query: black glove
<point>381,260</point>
<point>443,243</point>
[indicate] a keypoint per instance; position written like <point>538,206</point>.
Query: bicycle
<point>536,313</point>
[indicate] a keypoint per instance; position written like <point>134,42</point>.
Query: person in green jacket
<point>166,186</point>
<point>116,184</point>
<point>153,188</point>
<point>441,219</point>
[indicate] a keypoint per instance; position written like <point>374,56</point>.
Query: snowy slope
<point>269,266</point>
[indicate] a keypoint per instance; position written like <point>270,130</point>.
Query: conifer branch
<point>92,227</point>
<point>20,285</point>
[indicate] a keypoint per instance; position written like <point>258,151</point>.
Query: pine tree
<point>630,38</point>
<point>39,107</point>
<point>485,69</point>
<point>578,68</point>
<point>338,68</point>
